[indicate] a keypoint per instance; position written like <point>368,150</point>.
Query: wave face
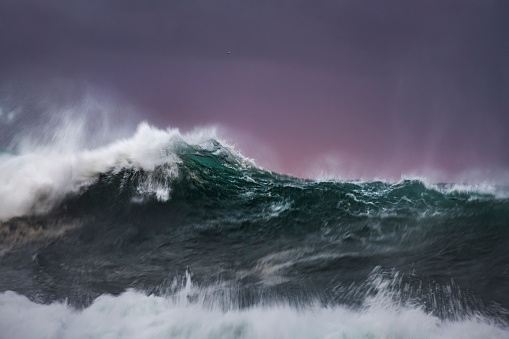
<point>117,233</point>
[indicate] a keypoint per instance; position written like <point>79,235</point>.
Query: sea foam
<point>136,315</point>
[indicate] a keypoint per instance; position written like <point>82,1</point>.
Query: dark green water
<point>266,236</point>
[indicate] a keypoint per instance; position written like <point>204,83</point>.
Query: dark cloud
<point>391,86</point>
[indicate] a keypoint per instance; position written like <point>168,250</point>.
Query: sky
<point>350,88</point>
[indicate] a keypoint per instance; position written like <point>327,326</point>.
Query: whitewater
<point>165,234</point>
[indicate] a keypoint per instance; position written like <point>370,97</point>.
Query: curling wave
<point>34,183</point>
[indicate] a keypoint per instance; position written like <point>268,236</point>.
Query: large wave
<point>36,181</point>
<point>94,234</point>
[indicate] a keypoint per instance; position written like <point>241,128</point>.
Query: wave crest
<point>34,183</point>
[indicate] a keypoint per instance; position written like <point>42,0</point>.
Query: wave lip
<point>34,183</point>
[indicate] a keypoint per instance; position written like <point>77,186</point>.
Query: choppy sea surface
<point>170,235</point>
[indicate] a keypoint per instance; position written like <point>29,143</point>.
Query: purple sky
<point>358,88</point>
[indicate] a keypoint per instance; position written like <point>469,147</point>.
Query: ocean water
<point>171,235</point>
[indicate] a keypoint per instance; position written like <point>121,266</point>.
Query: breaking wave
<point>97,237</point>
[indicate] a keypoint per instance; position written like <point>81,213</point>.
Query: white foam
<point>34,181</point>
<point>484,188</point>
<point>135,315</point>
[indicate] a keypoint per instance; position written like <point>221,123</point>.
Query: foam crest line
<point>135,315</point>
<point>33,183</point>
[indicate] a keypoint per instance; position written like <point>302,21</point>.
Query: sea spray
<point>134,314</point>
